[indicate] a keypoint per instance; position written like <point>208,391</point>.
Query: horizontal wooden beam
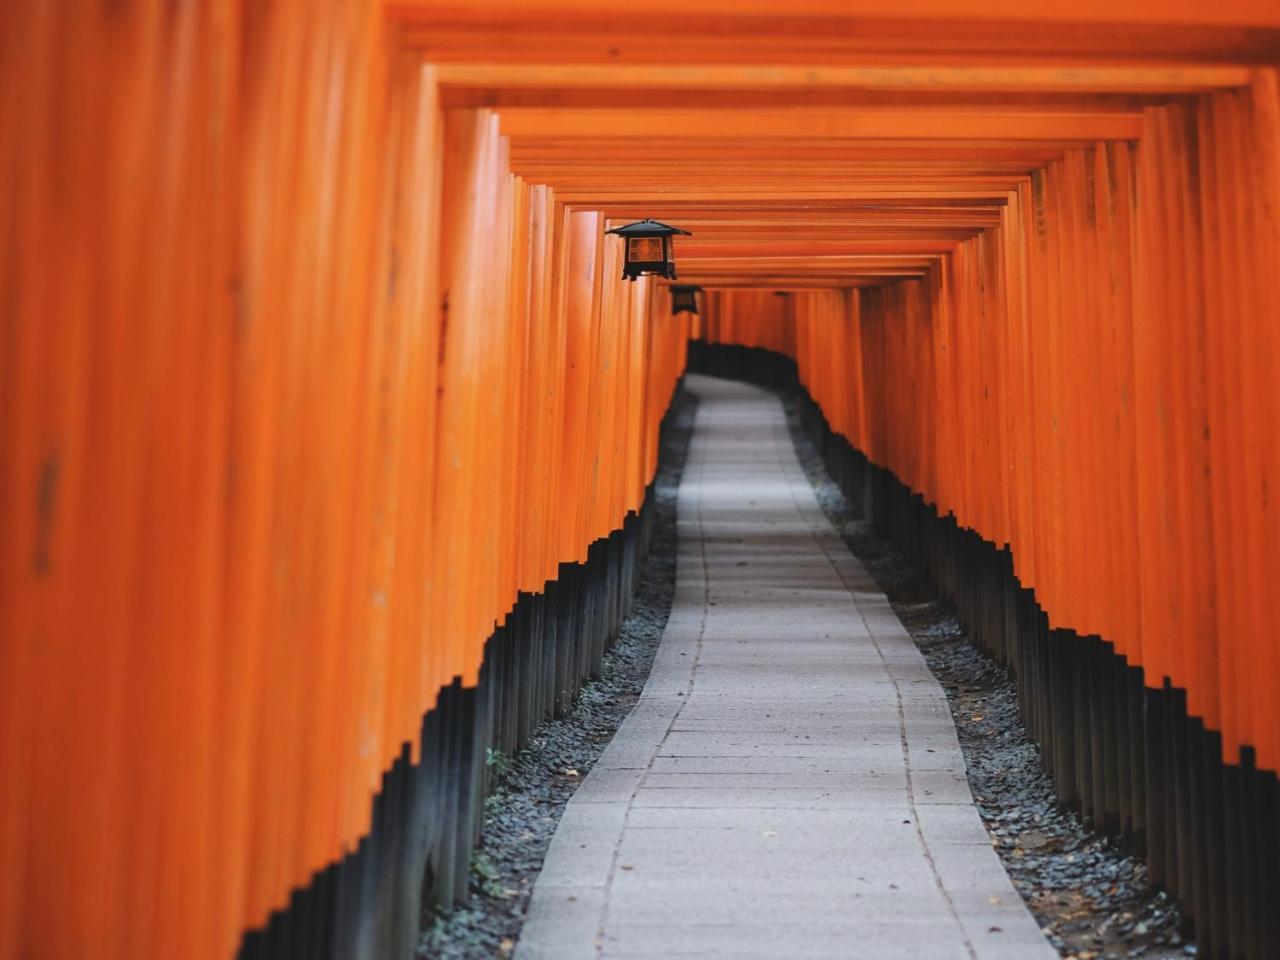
<point>766,246</point>
<point>763,33</point>
<point>690,148</point>
<point>998,14</point>
<point>536,123</point>
<point>1143,79</point>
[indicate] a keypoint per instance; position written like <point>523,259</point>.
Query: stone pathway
<point>790,784</point>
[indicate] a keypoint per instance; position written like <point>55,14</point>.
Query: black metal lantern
<point>648,249</point>
<point>684,298</point>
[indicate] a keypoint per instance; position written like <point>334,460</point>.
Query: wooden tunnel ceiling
<point>820,143</point>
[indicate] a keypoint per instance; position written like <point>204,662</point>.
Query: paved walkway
<point>790,784</point>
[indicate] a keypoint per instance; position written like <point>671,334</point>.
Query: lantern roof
<point>648,228</point>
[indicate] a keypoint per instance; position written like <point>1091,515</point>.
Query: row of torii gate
<point>316,364</point>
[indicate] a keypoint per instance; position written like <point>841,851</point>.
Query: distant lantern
<point>648,249</point>
<point>684,298</point>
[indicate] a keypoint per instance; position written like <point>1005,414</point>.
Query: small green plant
<point>496,761</point>
<point>486,876</point>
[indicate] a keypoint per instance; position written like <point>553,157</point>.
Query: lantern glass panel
<point>645,250</point>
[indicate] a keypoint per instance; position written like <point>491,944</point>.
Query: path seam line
<point>902,721</point>
<point>693,669</point>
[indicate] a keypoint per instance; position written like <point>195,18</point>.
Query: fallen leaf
<point>628,866</point>
<point>1034,840</point>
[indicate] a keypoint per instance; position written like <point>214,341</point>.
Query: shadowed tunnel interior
<point>328,427</point>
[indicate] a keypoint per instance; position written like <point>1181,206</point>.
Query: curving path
<point>790,784</point>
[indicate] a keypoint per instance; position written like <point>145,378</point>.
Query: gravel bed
<point>533,787</point>
<point>1090,898</point>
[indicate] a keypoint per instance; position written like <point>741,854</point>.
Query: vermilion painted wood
<point>1139,406</point>
<point>306,368</point>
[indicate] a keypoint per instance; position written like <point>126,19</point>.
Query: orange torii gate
<point>318,388</point>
